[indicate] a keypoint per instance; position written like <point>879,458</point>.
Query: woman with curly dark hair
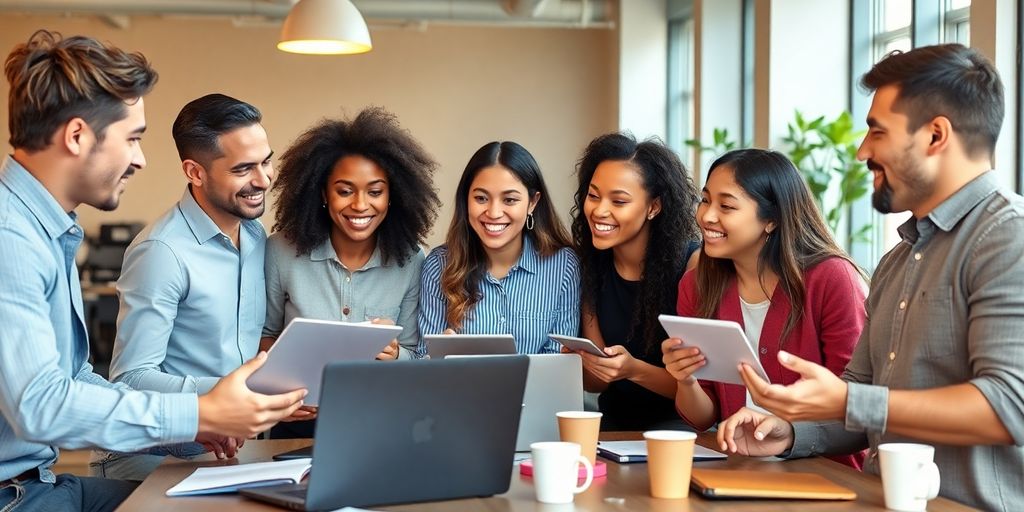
<point>635,233</point>
<point>355,200</point>
<point>506,266</point>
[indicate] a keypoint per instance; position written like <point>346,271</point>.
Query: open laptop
<point>408,431</point>
<point>555,383</point>
<point>440,346</point>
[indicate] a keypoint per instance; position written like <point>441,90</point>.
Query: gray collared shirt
<point>946,307</point>
<point>317,285</point>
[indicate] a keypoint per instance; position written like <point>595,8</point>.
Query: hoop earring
<point>529,221</point>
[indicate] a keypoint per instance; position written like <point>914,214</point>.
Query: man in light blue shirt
<point>192,288</point>
<point>77,118</point>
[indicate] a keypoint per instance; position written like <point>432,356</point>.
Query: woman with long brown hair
<point>506,266</point>
<point>770,264</point>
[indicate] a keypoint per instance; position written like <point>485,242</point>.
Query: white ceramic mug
<point>556,470</point>
<point>909,476</point>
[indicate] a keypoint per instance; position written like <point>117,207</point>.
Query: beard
<point>916,186</point>
<point>881,198</point>
<point>234,207</point>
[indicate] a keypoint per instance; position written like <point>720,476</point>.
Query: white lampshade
<point>325,27</point>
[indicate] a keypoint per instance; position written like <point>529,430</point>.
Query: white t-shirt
<point>753,323</point>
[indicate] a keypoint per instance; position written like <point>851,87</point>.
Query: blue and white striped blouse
<point>539,296</point>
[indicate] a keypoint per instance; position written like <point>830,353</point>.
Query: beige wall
<point>454,88</point>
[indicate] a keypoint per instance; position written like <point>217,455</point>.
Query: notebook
<point>225,479</point>
<point>726,483</point>
<point>636,451</point>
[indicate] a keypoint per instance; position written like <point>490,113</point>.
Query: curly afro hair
<point>375,135</point>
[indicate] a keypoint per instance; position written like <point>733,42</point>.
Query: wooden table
<point>625,488</point>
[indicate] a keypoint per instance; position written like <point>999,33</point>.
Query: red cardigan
<point>833,318</point>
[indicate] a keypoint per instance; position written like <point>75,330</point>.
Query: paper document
<point>224,479</point>
<point>636,451</point>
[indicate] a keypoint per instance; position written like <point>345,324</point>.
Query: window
<point>956,24</point>
<point>680,86</point>
<point>893,30</point>
<point>892,25</point>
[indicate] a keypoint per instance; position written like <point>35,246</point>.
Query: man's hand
<point>221,446</point>
<point>231,409</point>
<point>818,395</point>
<point>618,366</point>
<point>304,413</point>
<point>751,433</point>
<point>390,352</point>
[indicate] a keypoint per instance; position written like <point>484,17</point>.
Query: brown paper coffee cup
<point>582,428</point>
<point>669,460</point>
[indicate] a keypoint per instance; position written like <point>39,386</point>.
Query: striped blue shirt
<point>539,296</point>
<point>49,395</point>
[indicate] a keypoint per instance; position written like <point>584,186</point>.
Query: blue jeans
<point>138,465</point>
<point>68,493</point>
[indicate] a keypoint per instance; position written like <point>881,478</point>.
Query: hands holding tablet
<point>681,361</point>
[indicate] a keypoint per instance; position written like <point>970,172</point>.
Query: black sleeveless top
<point>626,405</point>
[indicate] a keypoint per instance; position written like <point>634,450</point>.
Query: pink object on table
<point>600,469</point>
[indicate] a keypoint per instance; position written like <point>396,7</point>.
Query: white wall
<point>643,77</point>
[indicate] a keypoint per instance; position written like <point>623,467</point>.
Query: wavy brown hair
<point>467,261</point>
<point>54,80</point>
<point>799,241</point>
<point>375,135</point>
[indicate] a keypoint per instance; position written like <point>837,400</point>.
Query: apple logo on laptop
<point>423,430</point>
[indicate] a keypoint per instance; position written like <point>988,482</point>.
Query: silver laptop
<point>409,431</point>
<point>555,383</point>
<point>440,346</point>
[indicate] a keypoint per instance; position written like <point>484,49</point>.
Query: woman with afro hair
<point>356,200</point>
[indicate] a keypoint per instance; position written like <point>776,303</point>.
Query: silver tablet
<point>440,346</point>
<point>723,344</point>
<point>299,355</point>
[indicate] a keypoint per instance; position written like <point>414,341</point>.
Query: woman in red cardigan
<point>770,265</point>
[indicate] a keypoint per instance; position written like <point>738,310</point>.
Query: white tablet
<point>723,344</point>
<point>578,344</point>
<point>440,346</point>
<point>297,358</point>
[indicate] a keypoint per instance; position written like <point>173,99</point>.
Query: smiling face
<point>617,206</point>
<point>497,206</point>
<point>896,157</point>
<point>235,183</point>
<point>357,197</point>
<point>110,163</point>
<point>728,218</point>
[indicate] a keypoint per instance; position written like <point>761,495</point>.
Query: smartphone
<point>578,344</point>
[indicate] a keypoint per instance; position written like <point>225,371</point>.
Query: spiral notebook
<point>226,479</point>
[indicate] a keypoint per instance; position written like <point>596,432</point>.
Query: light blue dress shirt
<point>317,285</point>
<point>49,395</point>
<point>192,305</point>
<point>539,296</point>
